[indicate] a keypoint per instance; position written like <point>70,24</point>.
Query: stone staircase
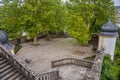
<point>8,72</point>
<point>11,69</point>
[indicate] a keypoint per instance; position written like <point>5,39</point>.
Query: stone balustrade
<point>29,75</point>
<point>67,61</point>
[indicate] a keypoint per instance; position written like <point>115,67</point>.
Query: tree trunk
<point>48,36</point>
<point>35,41</point>
<point>94,22</point>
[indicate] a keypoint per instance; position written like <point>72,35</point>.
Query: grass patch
<point>17,48</point>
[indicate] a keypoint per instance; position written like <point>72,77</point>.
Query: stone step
<point>22,78</point>
<point>12,74</point>
<point>5,68</point>
<point>8,75</point>
<point>18,77</point>
<point>2,61</point>
<point>4,65</point>
<point>8,72</point>
<point>1,58</point>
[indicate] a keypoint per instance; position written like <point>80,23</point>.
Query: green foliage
<point>36,16</point>
<point>94,12</point>
<point>117,54</point>
<point>116,69</point>
<point>80,32</point>
<point>113,68</point>
<point>17,48</point>
<point>119,32</point>
<point>41,16</point>
<point>95,29</point>
<point>117,61</point>
<point>89,16</point>
<point>10,20</point>
<point>77,27</point>
<point>30,21</point>
<point>108,69</point>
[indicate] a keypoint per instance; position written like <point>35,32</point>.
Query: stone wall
<point>95,72</point>
<point>25,39</point>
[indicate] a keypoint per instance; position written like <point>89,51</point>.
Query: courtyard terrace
<point>58,48</point>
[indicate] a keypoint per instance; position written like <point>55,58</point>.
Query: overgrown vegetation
<point>111,69</point>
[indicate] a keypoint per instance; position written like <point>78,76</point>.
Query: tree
<point>31,16</point>
<point>40,16</point>
<point>47,16</point>
<point>10,18</point>
<point>95,12</point>
<point>30,20</point>
<point>77,27</point>
<point>60,17</point>
<point>117,54</point>
<point>78,30</point>
<point>51,16</point>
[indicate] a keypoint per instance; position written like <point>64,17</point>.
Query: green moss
<point>17,48</point>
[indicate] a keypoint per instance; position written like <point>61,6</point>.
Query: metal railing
<point>67,61</point>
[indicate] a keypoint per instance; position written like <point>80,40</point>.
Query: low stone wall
<point>59,35</point>
<point>25,39</point>
<point>95,72</point>
<point>41,35</point>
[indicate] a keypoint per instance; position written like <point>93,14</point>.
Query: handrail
<point>28,74</point>
<point>67,61</point>
<point>22,69</point>
<point>54,75</point>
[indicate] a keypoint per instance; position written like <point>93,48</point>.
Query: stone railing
<point>24,39</point>
<point>22,69</point>
<point>54,75</point>
<point>95,72</point>
<point>18,40</point>
<point>28,74</point>
<point>67,61</point>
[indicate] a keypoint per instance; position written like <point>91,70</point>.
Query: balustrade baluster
<point>68,61</point>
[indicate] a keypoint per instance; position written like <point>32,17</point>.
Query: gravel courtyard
<point>42,55</point>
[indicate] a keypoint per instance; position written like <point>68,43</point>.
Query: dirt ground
<point>41,56</point>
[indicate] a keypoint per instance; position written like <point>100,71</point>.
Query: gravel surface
<point>40,56</point>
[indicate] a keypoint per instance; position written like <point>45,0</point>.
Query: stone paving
<point>42,55</point>
<point>71,72</point>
